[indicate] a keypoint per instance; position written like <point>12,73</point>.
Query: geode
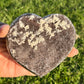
<point>40,44</point>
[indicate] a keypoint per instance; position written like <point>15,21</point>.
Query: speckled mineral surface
<point>40,44</point>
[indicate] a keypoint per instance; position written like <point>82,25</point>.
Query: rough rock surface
<point>40,44</point>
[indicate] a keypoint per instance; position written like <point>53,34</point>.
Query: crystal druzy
<point>40,44</point>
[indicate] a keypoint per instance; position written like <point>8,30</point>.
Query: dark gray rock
<point>40,44</point>
<point>1,23</point>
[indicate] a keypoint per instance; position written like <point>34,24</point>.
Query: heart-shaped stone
<point>40,44</point>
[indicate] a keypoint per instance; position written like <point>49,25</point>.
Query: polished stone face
<point>40,44</point>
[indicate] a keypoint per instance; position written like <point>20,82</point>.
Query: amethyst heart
<point>40,44</point>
